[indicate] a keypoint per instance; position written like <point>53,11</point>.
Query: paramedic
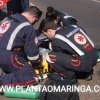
<point>18,45</point>
<point>61,18</point>
<point>72,51</point>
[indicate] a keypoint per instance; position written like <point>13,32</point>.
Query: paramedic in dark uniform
<point>18,45</point>
<point>72,51</point>
<point>61,18</point>
<point>64,20</point>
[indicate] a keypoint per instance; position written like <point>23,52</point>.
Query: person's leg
<point>24,76</point>
<point>58,63</point>
<point>63,62</point>
<point>19,71</point>
<point>62,76</point>
<point>62,96</point>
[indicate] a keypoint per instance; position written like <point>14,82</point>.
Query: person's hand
<point>61,23</point>
<point>43,51</point>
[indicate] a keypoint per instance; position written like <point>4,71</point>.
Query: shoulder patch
<point>80,39</point>
<point>4,27</point>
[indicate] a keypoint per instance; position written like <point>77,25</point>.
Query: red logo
<point>3,2</point>
<point>80,39</point>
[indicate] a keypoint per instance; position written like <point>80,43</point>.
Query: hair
<point>47,24</point>
<point>33,10</point>
<point>52,13</point>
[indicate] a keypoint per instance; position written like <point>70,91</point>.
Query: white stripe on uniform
<point>58,36</point>
<point>14,33</point>
<point>67,16</point>
<point>33,58</point>
<point>87,37</point>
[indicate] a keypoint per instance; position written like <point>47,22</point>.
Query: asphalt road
<point>87,13</point>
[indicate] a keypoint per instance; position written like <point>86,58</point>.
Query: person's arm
<point>67,20</point>
<point>60,46</point>
<point>31,45</point>
<point>66,60</point>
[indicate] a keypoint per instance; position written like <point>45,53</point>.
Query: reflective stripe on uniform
<point>14,33</point>
<point>87,37</point>
<point>67,16</point>
<point>33,58</point>
<point>48,58</point>
<point>70,44</point>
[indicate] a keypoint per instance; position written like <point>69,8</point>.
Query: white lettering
<point>76,88</point>
<point>18,87</point>
<point>88,89</point>
<point>73,32</point>
<point>69,88</point>
<point>44,89</point>
<point>96,88</point>
<point>50,88</point>
<point>57,89</point>
<point>82,88</point>
<point>63,89</point>
<point>28,89</point>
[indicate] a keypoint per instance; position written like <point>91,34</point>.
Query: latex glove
<point>43,51</point>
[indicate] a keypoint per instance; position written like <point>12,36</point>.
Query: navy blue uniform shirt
<point>25,38</point>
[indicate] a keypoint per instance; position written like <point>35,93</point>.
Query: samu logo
<point>1,3</point>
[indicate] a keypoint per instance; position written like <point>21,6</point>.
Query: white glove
<point>43,51</point>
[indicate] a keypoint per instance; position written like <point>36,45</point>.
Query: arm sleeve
<point>57,45</point>
<point>31,45</point>
<point>67,61</point>
<point>60,46</point>
<point>67,19</point>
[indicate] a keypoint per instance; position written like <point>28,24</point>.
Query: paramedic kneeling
<point>72,51</point>
<point>18,45</point>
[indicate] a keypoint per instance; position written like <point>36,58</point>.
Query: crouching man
<point>18,45</point>
<point>72,51</point>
